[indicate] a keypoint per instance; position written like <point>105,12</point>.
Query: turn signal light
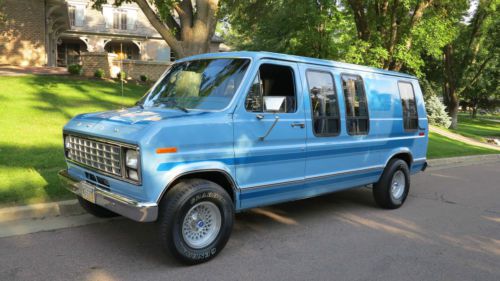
<point>166,150</point>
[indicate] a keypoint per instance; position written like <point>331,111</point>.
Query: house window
<point>76,15</point>
<point>272,81</point>
<point>410,115</point>
<point>120,19</point>
<point>324,103</point>
<point>356,105</point>
<point>72,15</point>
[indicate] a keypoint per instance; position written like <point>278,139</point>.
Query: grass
<point>33,110</point>
<point>477,128</point>
<point>440,147</point>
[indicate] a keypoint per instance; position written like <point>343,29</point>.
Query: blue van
<point>221,133</point>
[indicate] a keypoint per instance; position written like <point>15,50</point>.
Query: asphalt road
<point>448,229</point>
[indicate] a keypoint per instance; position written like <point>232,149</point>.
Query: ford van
<point>222,133</point>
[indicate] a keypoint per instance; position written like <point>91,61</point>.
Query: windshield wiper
<point>172,103</point>
<point>181,108</point>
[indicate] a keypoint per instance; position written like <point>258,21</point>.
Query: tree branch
<point>165,32</point>
<point>477,75</point>
<point>360,19</point>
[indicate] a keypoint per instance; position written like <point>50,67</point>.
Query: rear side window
<point>410,116</point>
<point>355,104</point>
<point>324,103</point>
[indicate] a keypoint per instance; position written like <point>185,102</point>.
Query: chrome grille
<point>102,156</point>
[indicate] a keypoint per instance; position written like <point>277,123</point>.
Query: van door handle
<point>297,124</point>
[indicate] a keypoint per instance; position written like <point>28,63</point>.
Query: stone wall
<point>135,68</point>
<point>22,35</point>
<point>91,61</point>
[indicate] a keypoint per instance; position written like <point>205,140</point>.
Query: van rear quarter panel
<point>386,118</point>
<point>363,155</point>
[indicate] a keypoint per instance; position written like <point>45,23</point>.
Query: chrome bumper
<point>138,211</point>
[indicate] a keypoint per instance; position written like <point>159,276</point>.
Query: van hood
<point>126,125</point>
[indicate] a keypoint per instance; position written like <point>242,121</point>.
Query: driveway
<point>449,229</point>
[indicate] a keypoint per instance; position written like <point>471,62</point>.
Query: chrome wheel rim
<point>201,225</point>
<point>398,184</point>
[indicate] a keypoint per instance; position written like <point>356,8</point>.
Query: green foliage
<point>99,73</point>
<point>436,112</point>
<point>308,28</point>
<point>75,69</point>
<point>121,75</point>
<point>144,78</point>
<point>333,30</point>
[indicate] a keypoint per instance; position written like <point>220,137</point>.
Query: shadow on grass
<point>105,95</point>
<point>31,174</point>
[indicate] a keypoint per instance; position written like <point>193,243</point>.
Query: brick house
<point>57,32</point>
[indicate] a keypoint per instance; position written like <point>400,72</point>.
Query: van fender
<point>192,168</point>
<point>397,151</point>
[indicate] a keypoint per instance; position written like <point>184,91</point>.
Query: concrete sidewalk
<point>11,70</point>
<point>461,138</point>
<point>42,217</point>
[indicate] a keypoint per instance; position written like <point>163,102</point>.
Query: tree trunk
<point>196,29</point>
<point>450,89</point>
<point>453,111</point>
<point>474,111</point>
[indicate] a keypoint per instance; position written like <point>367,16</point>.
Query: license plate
<point>87,192</point>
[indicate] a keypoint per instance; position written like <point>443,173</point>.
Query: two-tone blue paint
<point>291,163</point>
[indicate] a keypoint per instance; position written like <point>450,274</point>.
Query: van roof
<point>293,58</point>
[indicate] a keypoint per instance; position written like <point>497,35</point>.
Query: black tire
<point>95,210</point>
<point>175,206</point>
<point>382,189</point>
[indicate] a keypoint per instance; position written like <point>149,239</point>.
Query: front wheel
<point>195,220</point>
<point>391,190</point>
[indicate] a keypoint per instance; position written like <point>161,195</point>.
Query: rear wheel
<point>95,210</point>
<point>391,190</point>
<point>195,220</point>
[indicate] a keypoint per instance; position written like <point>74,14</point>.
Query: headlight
<point>67,143</point>
<point>133,175</point>
<point>131,158</point>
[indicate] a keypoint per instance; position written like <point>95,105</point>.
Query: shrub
<point>144,78</point>
<point>436,113</point>
<point>75,69</point>
<point>121,75</point>
<point>99,73</point>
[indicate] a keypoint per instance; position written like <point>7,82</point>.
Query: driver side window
<point>272,81</point>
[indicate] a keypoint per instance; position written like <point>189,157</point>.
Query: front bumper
<point>130,208</point>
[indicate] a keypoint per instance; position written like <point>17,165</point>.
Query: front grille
<point>102,156</point>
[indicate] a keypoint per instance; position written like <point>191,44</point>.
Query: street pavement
<point>448,229</point>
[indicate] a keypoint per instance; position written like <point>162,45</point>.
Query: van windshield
<point>201,84</point>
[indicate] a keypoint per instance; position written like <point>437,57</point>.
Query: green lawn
<point>440,147</point>
<point>477,128</point>
<point>33,110</point>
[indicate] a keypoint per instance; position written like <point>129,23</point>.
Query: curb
<point>41,211</point>
<point>443,163</point>
<point>72,207</point>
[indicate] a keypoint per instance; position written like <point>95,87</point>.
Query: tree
<point>436,113</point>
<point>390,34</point>
<point>465,60</point>
<point>186,25</point>
<point>307,28</point>
<point>402,31</point>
